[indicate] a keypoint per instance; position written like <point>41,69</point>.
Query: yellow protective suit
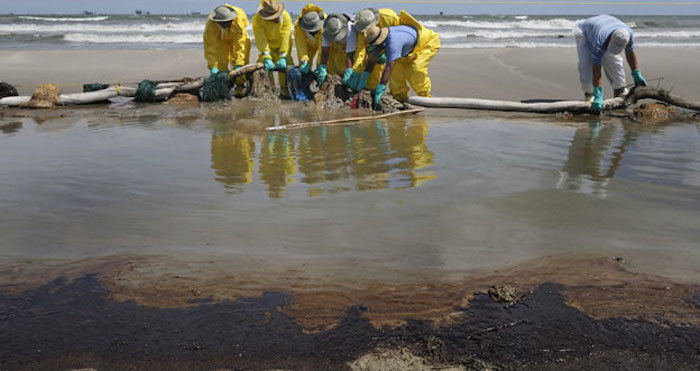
<point>414,67</point>
<point>229,46</point>
<point>272,39</point>
<point>307,49</point>
<point>387,18</point>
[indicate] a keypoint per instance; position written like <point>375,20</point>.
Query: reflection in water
<point>376,156</point>
<point>585,169</point>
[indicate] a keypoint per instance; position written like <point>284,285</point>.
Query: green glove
<point>382,59</point>
<point>305,67</point>
<point>321,73</point>
<point>269,65</point>
<point>237,67</point>
<point>639,80</point>
<point>597,104</point>
<point>378,92</point>
<point>282,64</point>
<point>354,80</point>
<point>363,81</point>
<point>213,71</point>
<point>347,74</point>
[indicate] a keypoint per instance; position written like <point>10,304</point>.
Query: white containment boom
<point>572,106</point>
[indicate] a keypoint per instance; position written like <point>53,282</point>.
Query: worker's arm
<point>631,59</point>
<point>597,76</point>
<point>360,52</point>
<point>304,52</point>
<point>238,49</point>
<point>639,80</point>
<point>286,34</point>
<point>260,38</point>
<point>386,75</point>
<point>211,46</point>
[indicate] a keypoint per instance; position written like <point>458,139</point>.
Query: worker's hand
<point>347,74</point>
<point>269,66</point>
<point>597,104</point>
<point>639,80</point>
<point>382,59</point>
<point>321,74</point>
<point>353,81</point>
<point>363,81</point>
<point>378,92</point>
<point>237,67</point>
<point>282,64</point>
<point>213,71</point>
<point>305,67</point>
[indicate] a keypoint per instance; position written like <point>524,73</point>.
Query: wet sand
<point>174,311</point>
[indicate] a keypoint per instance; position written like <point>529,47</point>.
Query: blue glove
<point>305,67</point>
<point>597,104</point>
<point>269,66</point>
<point>282,64</point>
<point>382,59</point>
<point>321,74</point>
<point>213,71</point>
<point>639,80</point>
<point>354,80</point>
<point>347,74</point>
<point>363,81</point>
<point>378,92</point>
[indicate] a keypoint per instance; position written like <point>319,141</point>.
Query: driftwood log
<point>635,95</point>
<point>343,121</point>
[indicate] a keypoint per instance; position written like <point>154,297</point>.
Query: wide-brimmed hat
<point>376,35</point>
<point>365,19</point>
<point>618,41</point>
<point>270,9</point>
<point>311,21</point>
<point>222,14</point>
<point>335,27</point>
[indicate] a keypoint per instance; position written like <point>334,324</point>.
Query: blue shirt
<point>597,30</point>
<point>400,42</point>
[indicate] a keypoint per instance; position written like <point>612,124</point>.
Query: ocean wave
<point>529,45</point>
<point>668,34</point>
<point>104,28</point>
<point>133,39</point>
<point>498,34</point>
<point>64,19</point>
<point>551,24</point>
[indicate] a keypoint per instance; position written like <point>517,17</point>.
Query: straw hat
<point>376,35</point>
<point>311,21</point>
<point>618,41</point>
<point>365,19</point>
<point>270,9</point>
<point>335,27</point>
<point>222,14</point>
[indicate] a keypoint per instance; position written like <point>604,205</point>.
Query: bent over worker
<point>307,36</point>
<point>600,41</point>
<point>338,47</point>
<point>226,40</point>
<point>409,49</point>
<point>365,19</point>
<point>272,28</point>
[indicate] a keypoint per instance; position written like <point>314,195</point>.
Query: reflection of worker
<point>365,19</point>
<point>307,36</point>
<point>226,39</point>
<point>272,28</point>
<point>409,48</point>
<point>600,41</point>
<point>232,158</point>
<point>277,163</point>
<point>337,47</point>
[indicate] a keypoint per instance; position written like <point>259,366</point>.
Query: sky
<point>631,7</point>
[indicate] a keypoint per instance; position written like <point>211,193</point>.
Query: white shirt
<point>350,40</point>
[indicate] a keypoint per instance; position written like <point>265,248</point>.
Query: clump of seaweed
<point>45,96</point>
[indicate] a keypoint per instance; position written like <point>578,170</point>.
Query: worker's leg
<point>585,63</point>
<point>418,77</point>
<point>397,82</point>
<point>614,68</point>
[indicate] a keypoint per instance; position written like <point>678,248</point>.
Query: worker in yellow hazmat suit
<point>272,28</point>
<point>226,40</point>
<point>307,36</point>
<point>409,49</point>
<point>365,19</point>
<point>337,47</point>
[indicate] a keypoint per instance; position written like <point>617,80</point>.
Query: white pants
<point>613,65</point>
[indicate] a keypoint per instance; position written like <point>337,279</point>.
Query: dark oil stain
<point>41,328</point>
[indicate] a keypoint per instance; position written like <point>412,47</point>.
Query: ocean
<point>456,31</point>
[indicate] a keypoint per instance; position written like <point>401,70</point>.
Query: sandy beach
<point>176,267</point>
<point>507,74</point>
